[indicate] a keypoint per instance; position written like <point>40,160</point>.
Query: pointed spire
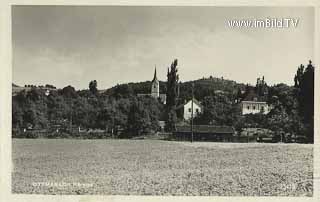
<point>155,74</point>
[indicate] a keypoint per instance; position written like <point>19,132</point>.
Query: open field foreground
<point>154,167</point>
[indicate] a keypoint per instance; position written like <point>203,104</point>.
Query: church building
<point>155,89</point>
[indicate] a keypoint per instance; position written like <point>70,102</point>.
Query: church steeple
<point>155,85</point>
<point>155,75</point>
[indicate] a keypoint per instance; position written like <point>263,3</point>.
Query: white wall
<point>251,107</point>
<point>155,89</point>
<point>187,110</point>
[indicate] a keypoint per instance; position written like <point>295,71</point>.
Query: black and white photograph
<point>163,100</point>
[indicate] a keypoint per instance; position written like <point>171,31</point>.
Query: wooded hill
<point>203,87</point>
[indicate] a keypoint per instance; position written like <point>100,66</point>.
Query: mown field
<point>154,167</point>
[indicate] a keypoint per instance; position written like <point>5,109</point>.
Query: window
<point>197,110</point>
<point>262,108</point>
<point>254,107</point>
<point>248,107</point>
<point>189,109</point>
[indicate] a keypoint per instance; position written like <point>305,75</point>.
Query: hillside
<point>16,89</point>
<point>203,87</point>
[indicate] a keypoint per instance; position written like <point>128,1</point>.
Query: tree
<point>172,93</point>
<point>304,83</point>
<point>93,87</point>
<point>122,91</point>
<point>69,92</point>
<point>217,110</point>
<point>172,85</point>
<point>171,120</point>
<point>239,124</point>
<point>261,87</point>
<point>279,122</point>
<point>17,114</point>
<point>139,121</point>
<point>81,113</point>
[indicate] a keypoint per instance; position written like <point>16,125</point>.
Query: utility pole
<point>192,113</point>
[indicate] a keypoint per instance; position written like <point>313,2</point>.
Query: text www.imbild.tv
<point>264,23</point>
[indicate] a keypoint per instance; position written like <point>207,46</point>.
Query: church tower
<point>155,85</point>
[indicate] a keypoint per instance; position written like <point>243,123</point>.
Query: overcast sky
<point>68,45</point>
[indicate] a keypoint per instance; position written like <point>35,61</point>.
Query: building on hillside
<point>155,89</point>
<point>205,132</point>
<point>252,104</point>
<point>185,110</point>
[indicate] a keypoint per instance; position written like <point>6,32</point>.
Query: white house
<point>186,109</point>
<point>253,104</point>
<point>253,107</point>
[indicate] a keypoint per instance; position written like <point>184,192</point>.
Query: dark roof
<point>252,96</point>
<point>206,129</point>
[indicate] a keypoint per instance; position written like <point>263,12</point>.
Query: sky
<point>72,45</point>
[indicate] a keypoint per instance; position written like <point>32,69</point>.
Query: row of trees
<point>120,107</point>
<point>67,108</point>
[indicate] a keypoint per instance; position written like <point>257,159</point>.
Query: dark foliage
<point>119,112</point>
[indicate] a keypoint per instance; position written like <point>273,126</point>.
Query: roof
<point>252,96</point>
<point>206,129</point>
<point>195,101</point>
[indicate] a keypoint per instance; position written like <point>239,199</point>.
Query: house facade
<point>185,110</point>
<point>253,107</point>
<point>252,103</point>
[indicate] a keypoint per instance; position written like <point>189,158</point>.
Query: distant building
<point>155,89</point>
<point>205,132</point>
<point>252,104</point>
<point>185,110</point>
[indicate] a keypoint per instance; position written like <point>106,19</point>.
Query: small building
<point>253,104</point>
<point>254,107</point>
<point>185,110</point>
<point>205,132</point>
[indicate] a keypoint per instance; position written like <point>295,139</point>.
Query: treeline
<point>119,111</point>
<point>68,110</point>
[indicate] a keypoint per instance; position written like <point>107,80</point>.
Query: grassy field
<point>154,167</point>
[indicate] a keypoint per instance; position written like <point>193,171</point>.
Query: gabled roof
<point>206,129</point>
<point>195,101</point>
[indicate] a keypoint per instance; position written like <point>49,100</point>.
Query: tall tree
<point>304,82</point>
<point>172,95</point>
<point>93,87</point>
